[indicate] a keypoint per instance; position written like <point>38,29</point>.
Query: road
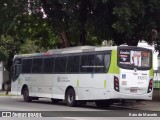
<point>16,103</point>
<point>86,112</point>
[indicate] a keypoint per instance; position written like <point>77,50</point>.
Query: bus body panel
<point>56,89</point>
<point>134,82</point>
<point>88,86</point>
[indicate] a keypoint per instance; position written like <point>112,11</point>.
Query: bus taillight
<point>116,84</point>
<point>150,86</point>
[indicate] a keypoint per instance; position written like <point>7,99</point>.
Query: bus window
<point>37,65</point>
<point>60,64</point>
<point>87,63</point>
<point>130,59</point>
<point>48,65</point>
<point>99,63</point>
<point>17,61</point>
<point>73,64</point>
<point>15,72</point>
<point>107,62</point>
<point>26,65</point>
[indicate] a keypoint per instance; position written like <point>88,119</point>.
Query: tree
<point>136,21</point>
<point>21,26</point>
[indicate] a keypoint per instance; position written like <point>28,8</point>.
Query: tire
<point>55,101</point>
<point>70,97</point>
<point>102,103</point>
<point>26,96</point>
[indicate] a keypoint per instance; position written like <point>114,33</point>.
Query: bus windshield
<point>135,58</point>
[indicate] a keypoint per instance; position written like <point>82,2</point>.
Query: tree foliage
<point>136,20</point>
<point>123,21</point>
<point>23,30</point>
<point>37,25</point>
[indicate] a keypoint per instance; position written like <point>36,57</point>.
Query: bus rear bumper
<point>117,95</point>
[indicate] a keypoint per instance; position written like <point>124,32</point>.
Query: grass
<point>4,94</point>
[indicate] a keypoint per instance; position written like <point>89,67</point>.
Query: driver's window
<point>16,71</point>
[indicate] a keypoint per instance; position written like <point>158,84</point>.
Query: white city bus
<point>85,73</point>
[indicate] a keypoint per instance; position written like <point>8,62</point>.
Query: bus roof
<point>78,49</point>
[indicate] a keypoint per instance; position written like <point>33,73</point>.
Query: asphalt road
<point>62,111</point>
<point>16,103</point>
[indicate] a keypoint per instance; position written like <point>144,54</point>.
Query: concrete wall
<point>4,75</point>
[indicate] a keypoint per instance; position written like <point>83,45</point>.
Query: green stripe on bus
<point>113,64</point>
<point>77,83</point>
<point>104,84</point>
<point>151,72</point>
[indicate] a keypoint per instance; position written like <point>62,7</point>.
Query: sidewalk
<point>147,105</point>
<point>140,105</point>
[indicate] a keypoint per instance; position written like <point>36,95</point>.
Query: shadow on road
<point>90,105</point>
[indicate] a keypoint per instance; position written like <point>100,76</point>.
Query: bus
<point>84,73</point>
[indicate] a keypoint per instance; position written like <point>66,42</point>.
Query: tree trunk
<point>85,9</point>
<point>82,37</point>
<point>63,39</point>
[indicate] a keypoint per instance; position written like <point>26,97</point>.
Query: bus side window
<point>87,63</point>
<point>73,64</point>
<point>107,58</point>
<point>26,65</point>
<point>48,65</point>
<point>37,65</point>
<point>99,63</point>
<point>60,64</point>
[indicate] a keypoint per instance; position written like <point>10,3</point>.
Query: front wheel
<point>26,96</point>
<point>70,97</point>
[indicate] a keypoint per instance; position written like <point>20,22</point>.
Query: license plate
<point>133,90</point>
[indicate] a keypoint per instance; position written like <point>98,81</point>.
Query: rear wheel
<point>102,103</point>
<point>26,96</point>
<point>70,97</point>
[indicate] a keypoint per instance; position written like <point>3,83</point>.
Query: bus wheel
<point>102,103</point>
<point>55,101</point>
<point>26,95</point>
<point>70,97</point>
